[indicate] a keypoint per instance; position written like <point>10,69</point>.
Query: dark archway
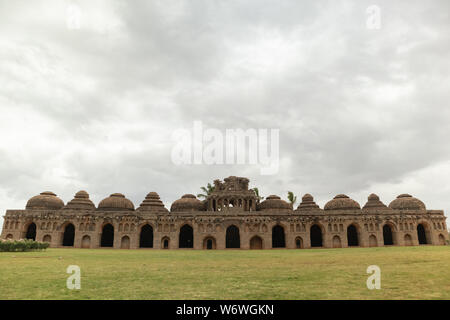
<point>107,236</point>
<point>146,238</point>
<point>256,243</point>
<point>352,236</point>
<point>31,231</point>
<point>387,235</point>
<point>421,234</point>
<point>316,236</point>
<point>278,240</point>
<point>209,243</point>
<point>69,235</point>
<point>233,239</point>
<point>298,243</point>
<point>186,237</point>
<point>165,243</point>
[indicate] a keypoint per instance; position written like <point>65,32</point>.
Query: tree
<point>207,191</point>
<point>292,198</point>
<point>258,197</point>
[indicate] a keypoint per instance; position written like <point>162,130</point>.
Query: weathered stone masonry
<point>230,217</point>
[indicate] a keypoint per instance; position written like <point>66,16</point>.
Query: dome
<point>407,202</point>
<point>373,201</point>
<point>152,203</point>
<point>116,202</point>
<point>342,202</point>
<point>45,201</point>
<point>307,203</point>
<point>81,201</point>
<point>274,202</point>
<point>188,202</point>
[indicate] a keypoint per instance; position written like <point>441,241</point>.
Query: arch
<point>422,234</point>
<point>31,231</point>
<point>352,236</point>
<point>256,243</point>
<point>408,240</point>
<point>373,241</point>
<point>86,242</point>
<point>209,243</point>
<point>337,242</point>
<point>441,240</point>
<point>316,236</point>
<point>278,239</point>
<point>186,239</point>
<point>387,235</point>
<point>165,243</point>
<point>69,235</point>
<point>125,242</point>
<point>146,237</point>
<point>299,243</point>
<point>233,239</point>
<point>9,237</point>
<point>107,239</point>
<point>47,238</point>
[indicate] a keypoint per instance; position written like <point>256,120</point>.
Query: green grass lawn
<point>406,273</point>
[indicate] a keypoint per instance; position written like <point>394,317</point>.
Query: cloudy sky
<point>91,93</point>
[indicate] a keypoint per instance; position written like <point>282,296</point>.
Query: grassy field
<point>406,273</point>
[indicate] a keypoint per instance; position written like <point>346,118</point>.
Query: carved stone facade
<point>230,217</point>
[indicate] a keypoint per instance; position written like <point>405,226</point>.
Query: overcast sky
<point>90,101</point>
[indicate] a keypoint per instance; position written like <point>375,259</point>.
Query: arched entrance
<point>316,236</point>
<point>387,235</point>
<point>47,238</point>
<point>186,237</point>
<point>146,238</point>
<point>352,236</point>
<point>299,243</point>
<point>125,242</point>
<point>278,240</point>
<point>69,235</point>
<point>86,242</point>
<point>9,237</point>
<point>233,239</point>
<point>209,243</point>
<point>408,240</point>
<point>31,232</point>
<point>337,242</point>
<point>107,239</point>
<point>165,243</point>
<point>256,243</point>
<point>421,234</point>
<point>373,241</point>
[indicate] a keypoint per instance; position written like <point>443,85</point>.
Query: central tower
<point>232,194</point>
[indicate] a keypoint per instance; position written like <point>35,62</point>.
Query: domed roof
<point>188,202</point>
<point>274,202</point>
<point>47,200</point>
<point>342,202</point>
<point>407,202</point>
<point>116,202</point>
<point>307,203</point>
<point>81,201</point>
<point>152,203</point>
<point>373,201</point>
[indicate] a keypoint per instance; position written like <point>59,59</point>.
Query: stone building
<point>231,217</point>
